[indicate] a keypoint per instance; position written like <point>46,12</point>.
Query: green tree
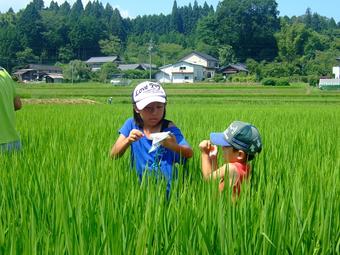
<point>65,53</point>
<point>176,22</point>
<point>9,40</point>
<point>26,56</point>
<point>226,55</point>
<point>31,28</point>
<point>111,46</point>
<point>76,71</point>
<point>249,27</point>
<point>205,34</point>
<point>169,52</point>
<point>106,71</point>
<point>291,41</point>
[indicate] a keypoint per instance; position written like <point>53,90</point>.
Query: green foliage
<point>218,78</point>
<point>31,28</point>
<point>313,80</point>
<point>65,54</point>
<point>237,31</point>
<point>249,27</point>
<point>138,74</point>
<point>26,56</point>
<point>111,46</point>
<point>226,55</point>
<point>243,78</point>
<point>63,195</point>
<point>76,71</point>
<point>106,71</point>
<point>276,81</point>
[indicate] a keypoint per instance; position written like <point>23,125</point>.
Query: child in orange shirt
<point>240,143</point>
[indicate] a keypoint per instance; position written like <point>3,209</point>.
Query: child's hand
<point>208,148</point>
<point>135,135</point>
<point>205,146</point>
<point>169,142</point>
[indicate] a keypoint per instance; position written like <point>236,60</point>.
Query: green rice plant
<point>62,194</point>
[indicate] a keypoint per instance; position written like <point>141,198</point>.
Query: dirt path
<point>58,101</point>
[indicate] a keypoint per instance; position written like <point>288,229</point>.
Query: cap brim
<point>144,102</point>
<point>219,139</point>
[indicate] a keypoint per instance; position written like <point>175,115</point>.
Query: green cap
<point>240,135</point>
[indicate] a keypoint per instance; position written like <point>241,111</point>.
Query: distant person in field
<point>9,103</point>
<point>240,143</point>
<point>149,109</point>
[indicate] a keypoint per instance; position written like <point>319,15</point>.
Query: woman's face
<point>152,114</point>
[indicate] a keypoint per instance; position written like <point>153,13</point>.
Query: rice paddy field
<point>62,194</point>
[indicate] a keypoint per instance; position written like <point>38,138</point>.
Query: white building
<point>209,63</point>
<point>180,72</point>
<point>332,83</point>
<point>336,72</point>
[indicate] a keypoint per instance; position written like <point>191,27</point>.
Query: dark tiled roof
<point>44,67</point>
<point>238,66</point>
<point>102,59</point>
<point>125,67</point>
<point>22,71</point>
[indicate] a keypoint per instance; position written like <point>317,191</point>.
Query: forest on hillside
<point>246,31</point>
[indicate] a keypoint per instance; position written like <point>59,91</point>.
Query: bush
<point>218,78</point>
<point>282,82</point>
<point>275,81</point>
<point>243,78</point>
<point>268,82</point>
<point>313,80</point>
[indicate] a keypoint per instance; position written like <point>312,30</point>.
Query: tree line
<point>247,31</point>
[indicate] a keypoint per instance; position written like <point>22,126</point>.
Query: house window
<point>186,77</point>
<point>182,67</point>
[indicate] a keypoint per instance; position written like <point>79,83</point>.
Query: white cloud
<point>123,13</point>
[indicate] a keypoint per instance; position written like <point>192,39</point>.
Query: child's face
<point>229,154</point>
<point>152,114</point>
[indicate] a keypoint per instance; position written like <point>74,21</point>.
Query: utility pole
<point>72,72</point>
<point>150,52</point>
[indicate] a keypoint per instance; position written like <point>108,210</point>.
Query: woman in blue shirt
<point>149,107</point>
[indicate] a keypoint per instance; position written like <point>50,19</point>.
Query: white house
<point>331,83</point>
<point>180,72</point>
<point>209,63</point>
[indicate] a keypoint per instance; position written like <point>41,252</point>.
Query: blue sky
<point>132,8</point>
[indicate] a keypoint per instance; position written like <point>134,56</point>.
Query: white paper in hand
<point>213,150</point>
<point>157,138</point>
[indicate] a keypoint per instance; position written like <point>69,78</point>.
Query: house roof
<point>55,76</point>
<point>102,59</point>
<point>239,67</point>
<point>44,67</point>
<point>147,66</point>
<point>202,55</point>
<point>125,67</point>
<point>22,71</point>
<point>143,66</point>
<point>168,65</point>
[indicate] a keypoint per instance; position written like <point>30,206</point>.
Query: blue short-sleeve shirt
<point>161,160</point>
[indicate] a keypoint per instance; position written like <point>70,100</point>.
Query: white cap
<point>148,92</point>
